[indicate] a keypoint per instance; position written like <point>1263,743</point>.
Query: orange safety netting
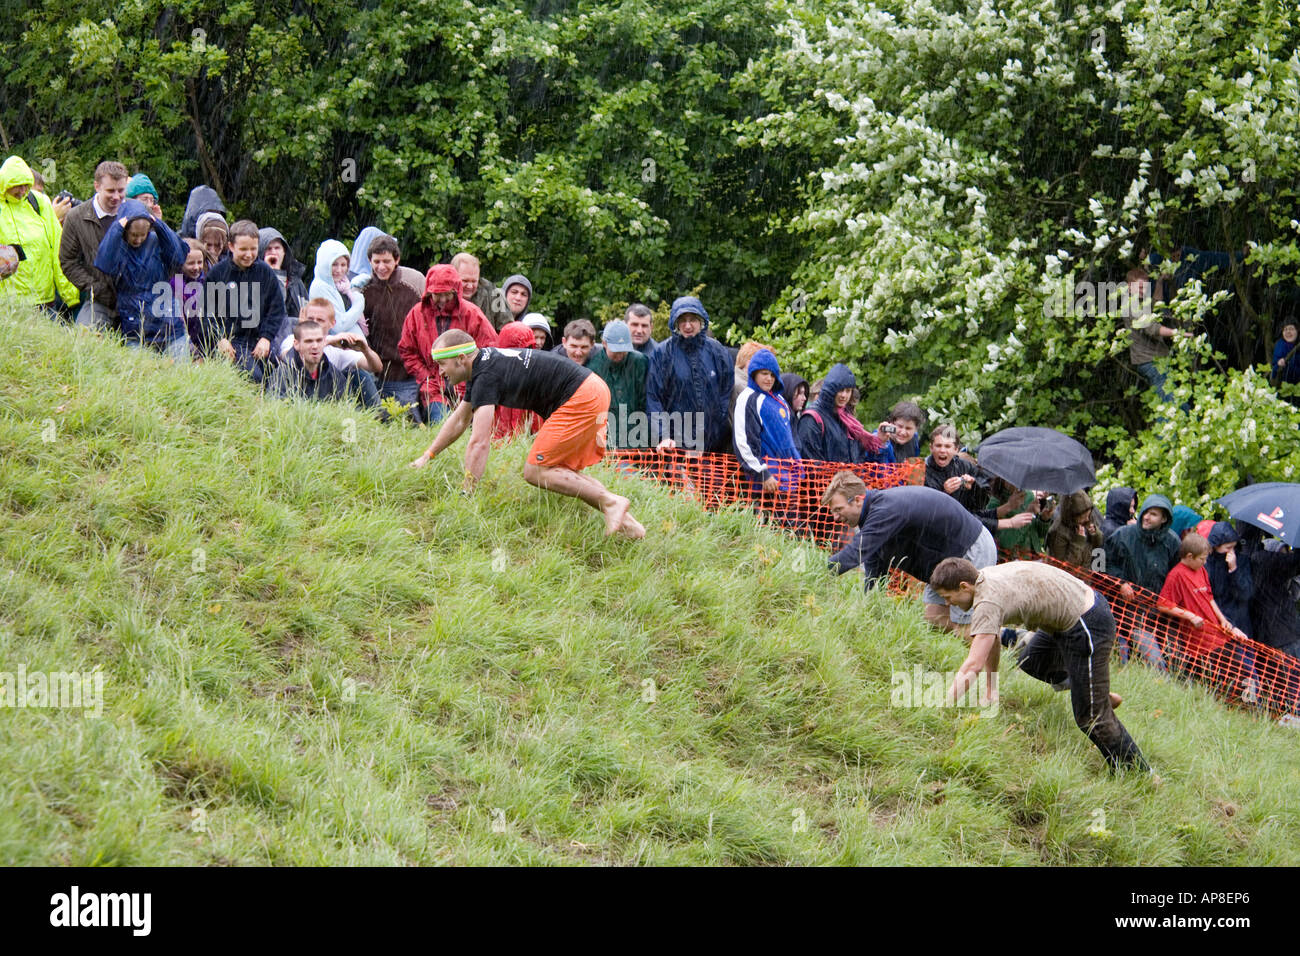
<point>717,481</point>
<point>1240,671</point>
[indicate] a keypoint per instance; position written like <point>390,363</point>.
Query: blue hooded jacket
<point>828,439</point>
<point>141,276</point>
<point>761,429</point>
<point>688,377</point>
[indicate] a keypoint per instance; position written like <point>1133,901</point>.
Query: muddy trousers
<point>1081,656</point>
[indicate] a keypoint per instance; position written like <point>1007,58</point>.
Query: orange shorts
<point>574,437</point>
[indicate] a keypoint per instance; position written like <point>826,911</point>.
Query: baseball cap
<point>617,337</point>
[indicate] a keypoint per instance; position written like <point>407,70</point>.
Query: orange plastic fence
<point>1239,671</point>
<point>718,481</point>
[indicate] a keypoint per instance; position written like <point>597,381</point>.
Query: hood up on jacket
<point>837,379</point>
<point>688,304</point>
<point>15,172</point>
<point>1183,518</point>
<point>790,382</point>
<point>517,279</point>
<point>516,335</point>
<point>202,199</point>
<point>1156,501</point>
<point>360,263</point>
<point>1221,533</point>
<point>765,361</point>
<point>326,255</point>
<point>292,267</point>
<point>1119,504</point>
<point>441,278</point>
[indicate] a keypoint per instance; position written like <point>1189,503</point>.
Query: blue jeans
<point>1156,379</point>
<point>178,350</point>
<point>1148,648</point>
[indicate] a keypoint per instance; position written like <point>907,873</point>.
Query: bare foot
<point>631,528</point>
<point>614,513</point>
<point>1115,700</point>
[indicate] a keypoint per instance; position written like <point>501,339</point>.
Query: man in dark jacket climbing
<point>911,528</point>
<point>688,387</point>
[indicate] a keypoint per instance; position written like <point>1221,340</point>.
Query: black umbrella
<point>1271,505</point>
<point>1038,459</point>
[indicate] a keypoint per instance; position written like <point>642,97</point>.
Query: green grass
<point>314,655</point>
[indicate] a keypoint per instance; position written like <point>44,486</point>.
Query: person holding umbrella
<point>1274,508</point>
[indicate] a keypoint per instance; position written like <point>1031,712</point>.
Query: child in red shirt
<point>1187,596</point>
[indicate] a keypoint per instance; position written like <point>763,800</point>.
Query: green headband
<point>451,351</point>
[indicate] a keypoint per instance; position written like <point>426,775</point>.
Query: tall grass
<point>314,655</point>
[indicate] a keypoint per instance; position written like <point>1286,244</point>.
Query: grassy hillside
<point>314,655</point>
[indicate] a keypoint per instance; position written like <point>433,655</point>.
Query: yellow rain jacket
<point>39,233</point>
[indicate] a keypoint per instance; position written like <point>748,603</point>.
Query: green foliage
<point>1235,430</point>
<point>313,654</point>
<point>973,159</point>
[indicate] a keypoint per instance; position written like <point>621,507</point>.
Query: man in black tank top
<point>573,402</point>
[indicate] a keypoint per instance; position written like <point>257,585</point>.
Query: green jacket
<point>39,276</point>
<point>628,427</point>
<point>1032,537</point>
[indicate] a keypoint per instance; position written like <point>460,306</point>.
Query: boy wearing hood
<point>764,443</point>
<point>141,253</point>
<point>828,432</point>
<point>276,253</point>
<point>28,222</point>
<point>1143,554</point>
<point>442,309</point>
<point>690,375</point>
<point>541,327</point>
<point>516,293</point>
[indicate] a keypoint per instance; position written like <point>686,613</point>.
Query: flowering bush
<point>975,158</point>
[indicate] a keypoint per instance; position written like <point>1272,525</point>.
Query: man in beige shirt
<point>1074,631</point>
